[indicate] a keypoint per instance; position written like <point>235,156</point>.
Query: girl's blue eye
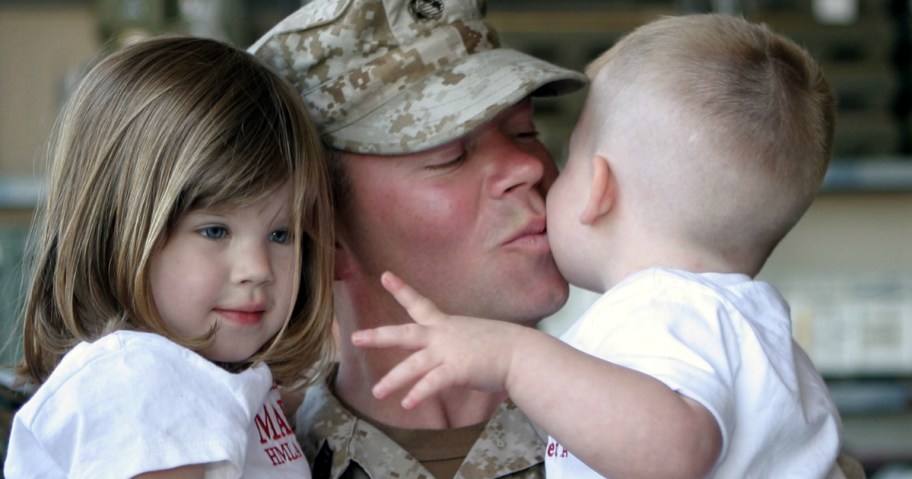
<point>213,232</point>
<point>279,236</point>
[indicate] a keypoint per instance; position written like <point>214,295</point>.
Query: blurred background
<point>846,269</point>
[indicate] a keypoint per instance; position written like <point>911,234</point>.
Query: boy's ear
<point>601,191</point>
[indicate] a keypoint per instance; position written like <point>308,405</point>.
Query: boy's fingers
<point>407,336</point>
<point>435,381</point>
<point>421,309</point>
<point>403,374</point>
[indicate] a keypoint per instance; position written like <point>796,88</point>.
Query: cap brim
<point>453,102</point>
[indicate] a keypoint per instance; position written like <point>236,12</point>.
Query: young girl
<point>182,271</point>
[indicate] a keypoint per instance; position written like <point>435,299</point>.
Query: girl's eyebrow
<point>212,210</point>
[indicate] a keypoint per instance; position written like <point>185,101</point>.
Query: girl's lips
<point>246,318</point>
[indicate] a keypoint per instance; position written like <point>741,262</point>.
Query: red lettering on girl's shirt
<point>271,424</point>
<point>286,452</point>
<point>275,434</point>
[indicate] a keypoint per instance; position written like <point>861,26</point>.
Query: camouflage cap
<point>400,76</point>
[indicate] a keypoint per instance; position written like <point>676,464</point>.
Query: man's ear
<point>342,266</point>
<point>602,191</point>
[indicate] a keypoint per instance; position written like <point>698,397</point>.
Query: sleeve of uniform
<point>137,406</point>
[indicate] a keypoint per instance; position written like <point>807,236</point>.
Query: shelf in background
<point>869,175</point>
<point>18,193</point>
<point>874,174</point>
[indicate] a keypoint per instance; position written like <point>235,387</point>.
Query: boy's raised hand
<point>450,351</point>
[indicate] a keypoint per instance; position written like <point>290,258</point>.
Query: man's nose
<point>520,165</point>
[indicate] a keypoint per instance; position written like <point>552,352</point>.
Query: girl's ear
<point>602,191</point>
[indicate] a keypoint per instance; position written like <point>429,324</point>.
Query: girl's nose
<point>252,264</point>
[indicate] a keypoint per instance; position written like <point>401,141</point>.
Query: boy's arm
<point>620,422</point>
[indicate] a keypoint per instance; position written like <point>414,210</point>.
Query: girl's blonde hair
<point>153,131</point>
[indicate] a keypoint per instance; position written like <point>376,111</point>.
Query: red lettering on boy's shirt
<point>554,449</point>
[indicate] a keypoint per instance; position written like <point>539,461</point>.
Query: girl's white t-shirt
<point>135,402</point>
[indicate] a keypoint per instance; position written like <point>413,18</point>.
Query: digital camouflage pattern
<point>400,76</point>
<point>342,446</point>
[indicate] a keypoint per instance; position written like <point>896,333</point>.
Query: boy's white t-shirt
<point>135,402</point>
<point>725,341</point>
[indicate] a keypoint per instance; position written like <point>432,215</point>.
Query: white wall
<point>39,48</point>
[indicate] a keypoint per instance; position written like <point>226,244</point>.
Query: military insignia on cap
<point>425,10</point>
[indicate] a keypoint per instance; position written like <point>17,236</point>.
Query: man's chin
<point>546,304</point>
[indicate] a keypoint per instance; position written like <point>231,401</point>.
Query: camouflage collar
<point>508,445</point>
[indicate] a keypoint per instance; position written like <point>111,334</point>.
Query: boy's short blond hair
<point>735,126</point>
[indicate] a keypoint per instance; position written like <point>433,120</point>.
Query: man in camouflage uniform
<point>439,177</point>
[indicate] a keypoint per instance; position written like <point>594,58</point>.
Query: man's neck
<point>359,370</point>
<point>362,303</point>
